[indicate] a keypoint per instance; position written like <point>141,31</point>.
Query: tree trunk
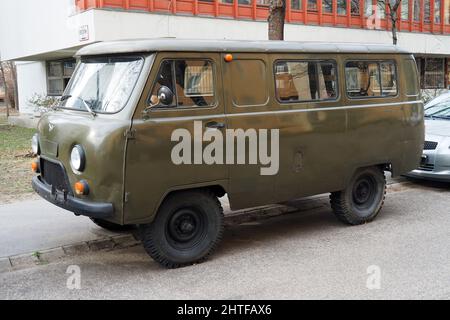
<point>16,89</point>
<point>7,102</point>
<point>394,28</point>
<point>277,13</point>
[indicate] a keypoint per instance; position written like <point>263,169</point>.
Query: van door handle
<point>215,125</point>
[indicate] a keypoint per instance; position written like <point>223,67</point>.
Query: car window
<point>370,79</point>
<point>190,81</point>
<point>305,80</point>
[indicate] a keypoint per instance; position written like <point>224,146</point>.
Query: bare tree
<point>277,14</point>
<point>393,6</point>
<point>8,74</point>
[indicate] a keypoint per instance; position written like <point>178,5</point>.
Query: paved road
<point>303,255</point>
<point>34,225</point>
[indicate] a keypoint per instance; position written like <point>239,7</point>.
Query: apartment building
<point>43,35</point>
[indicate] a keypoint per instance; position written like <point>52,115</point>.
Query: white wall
<point>30,27</point>
<point>114,25</point>
<point>31,79</point>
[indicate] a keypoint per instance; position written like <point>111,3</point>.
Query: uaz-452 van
<point>153,132</point>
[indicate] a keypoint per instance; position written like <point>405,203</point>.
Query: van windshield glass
<point>102,84</point>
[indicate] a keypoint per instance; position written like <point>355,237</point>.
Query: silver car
<point>435,164</point>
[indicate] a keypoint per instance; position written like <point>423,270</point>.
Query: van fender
<point>219,187</point>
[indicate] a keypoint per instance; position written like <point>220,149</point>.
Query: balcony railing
<point>429,16</point>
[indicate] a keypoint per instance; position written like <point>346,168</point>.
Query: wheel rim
<point>364,191</point>
<point>186,228</point>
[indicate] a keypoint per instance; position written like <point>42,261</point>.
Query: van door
<point>312,123</point>
<point>162,155</point>
<point>248,98</point>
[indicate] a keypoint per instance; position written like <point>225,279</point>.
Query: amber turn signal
<point>81,188</point>
<point>228,57</point>
<point>35,166</point>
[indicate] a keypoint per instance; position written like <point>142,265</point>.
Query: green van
<point>154,132</point>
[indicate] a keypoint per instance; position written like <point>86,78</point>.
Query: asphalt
<point>35,225</point>
<point>303,255</point>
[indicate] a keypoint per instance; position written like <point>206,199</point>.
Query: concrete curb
<point>43,257</point>
<point>123,241</point>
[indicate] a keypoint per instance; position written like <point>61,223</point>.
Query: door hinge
<point>126,197</point>
<point>130,133</point>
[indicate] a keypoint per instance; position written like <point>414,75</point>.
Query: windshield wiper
<point>88,108</point>
<point>65,97</point>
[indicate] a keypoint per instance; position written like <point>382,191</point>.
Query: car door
<point>248,99</point>
<point>155,164</point>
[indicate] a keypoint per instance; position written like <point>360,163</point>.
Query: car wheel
<point>186,229</point>
<point>111,226</point>
<point>363,198</point>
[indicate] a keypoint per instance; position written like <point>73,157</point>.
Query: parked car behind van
<point>153,132</point>
<point>435,164</point>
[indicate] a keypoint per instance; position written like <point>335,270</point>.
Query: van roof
<point>172,44</point>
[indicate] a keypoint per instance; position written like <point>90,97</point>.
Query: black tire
<point>111,226</point>
<point>186,229</point>
<point>363,198</point>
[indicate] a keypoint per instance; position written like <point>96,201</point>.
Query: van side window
<point>388,79</point>
<point>190,81</point>
<point>249,82</point>
<point>370,79</point>
<point>305,80</point>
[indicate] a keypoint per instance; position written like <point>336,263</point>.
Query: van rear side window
<point>370,79</point>
<point>305,80</point>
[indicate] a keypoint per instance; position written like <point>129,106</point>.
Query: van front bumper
<point>100,210</point>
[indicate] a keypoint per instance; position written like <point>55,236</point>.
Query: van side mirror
<point>165,96</point>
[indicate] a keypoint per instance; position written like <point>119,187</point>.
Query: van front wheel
<point>186,229</point>
<point>363,198</point>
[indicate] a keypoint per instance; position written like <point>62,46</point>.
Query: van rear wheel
<point>186,229</point>
<point>363,198</point>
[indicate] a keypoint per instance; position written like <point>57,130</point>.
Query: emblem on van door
<point>51,126</point>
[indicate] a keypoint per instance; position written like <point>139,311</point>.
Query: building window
<point>296,4</point>
<point>381,9</point>
<point>312,5</point>
<point>58,76</point>
<point>416,10</point>
<point>437,11</point>
<point>427,11</point>
<point>405,9</point>
<point>327,6</point>
<point>433,73</point>
<point>368,8</point>
<point>447,11</point>
<point>354,7</point>
<point>342,7</point>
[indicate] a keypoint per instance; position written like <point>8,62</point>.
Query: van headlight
<point>77,158</point>
<point>35,143</point>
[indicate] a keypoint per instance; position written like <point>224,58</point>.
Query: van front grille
<point>54,175</point>
<point>430,145</point>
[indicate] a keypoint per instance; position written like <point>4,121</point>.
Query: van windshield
<point>103,84</point>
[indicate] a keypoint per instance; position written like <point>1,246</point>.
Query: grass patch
<point>15,160</point>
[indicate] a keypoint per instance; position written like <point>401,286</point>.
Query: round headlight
<point>77,158</point>
<point>35,144</point>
